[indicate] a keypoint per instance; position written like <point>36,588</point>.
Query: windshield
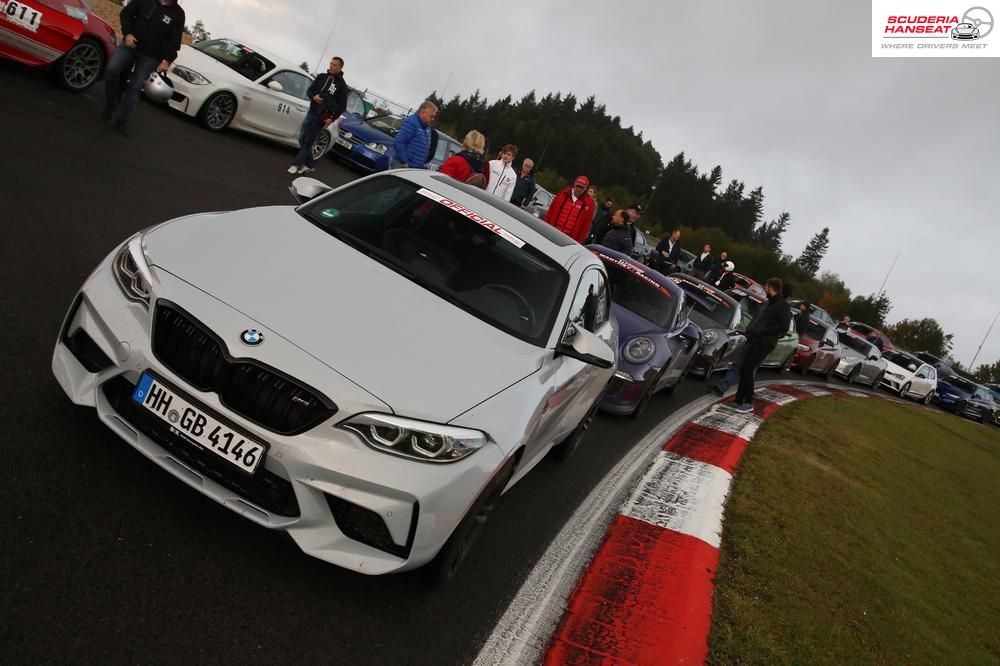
<point>710,309</point>
<point>902,360</point>
<point>388,124</point>
<point>237,57</point>
<point>634,290</point>
<point>857,344</point>
<point>470,261</point>
<point>815,330</point>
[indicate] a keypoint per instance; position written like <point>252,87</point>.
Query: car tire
<point>829,372</point>
<point>904,391</point>
<point>878,380</point>
<point>322,145</point>
<point>711,368</point>
<point>647,395</point>
<point>958,408</point>
<point>218,111</point>
<point>787,365</point>
<point>927,398</point>
<point>564,450</point>
<point>82,65</point>
<point>680,380</point>
<point>442,568</point>
<point>852,377</point>
<point>807,365</point>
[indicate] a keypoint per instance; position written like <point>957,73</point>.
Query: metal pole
<point>329,38</point>
<point>881,289</point>
<point>445,89</point>
<point>972,366</point>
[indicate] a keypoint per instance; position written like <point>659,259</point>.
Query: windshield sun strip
<point>474,216</point>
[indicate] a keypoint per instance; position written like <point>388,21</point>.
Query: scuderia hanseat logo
<point>931,28</point>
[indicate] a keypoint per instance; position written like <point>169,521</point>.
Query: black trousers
<point>757,351</point>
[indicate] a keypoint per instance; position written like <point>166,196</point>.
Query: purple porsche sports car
<point>656,340</point>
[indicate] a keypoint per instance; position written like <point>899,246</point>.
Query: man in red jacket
<point>572,210</point>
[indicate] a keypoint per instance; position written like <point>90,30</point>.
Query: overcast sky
<point>891,154</point>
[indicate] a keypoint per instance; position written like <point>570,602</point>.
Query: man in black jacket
<point>152,36</point>
<point>762,334</point>
<point>618,238</point>
<point>524,186</point>
<point>327,100</point>
<point>668,252</point>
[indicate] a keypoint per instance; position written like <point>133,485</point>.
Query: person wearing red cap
<point>572,210</point>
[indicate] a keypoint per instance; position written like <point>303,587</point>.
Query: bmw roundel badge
<point>251,337</point>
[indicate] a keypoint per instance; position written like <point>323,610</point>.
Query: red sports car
<point>750,285</point>
<point>818,350</point>
<point>64,37</point>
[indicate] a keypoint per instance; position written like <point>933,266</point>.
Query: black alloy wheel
<point>565,449</point>
<point>905,391</point>
<point>218,111</point>
<point>878,380</point>
<point>448,560</point>
<point>852,378</point>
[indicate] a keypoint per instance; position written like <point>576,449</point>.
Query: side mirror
<point>275,86</point>
<point>581,344</point>
<point>305,189</point>
<point>873,357</point>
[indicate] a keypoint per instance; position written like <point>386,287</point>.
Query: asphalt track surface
<point>104,557</point>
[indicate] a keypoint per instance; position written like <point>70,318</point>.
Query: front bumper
<point>363,158</point>
<point>894,384</point>
<point>700,364</point>
<point>189,98</point>
<point>626,389</point>
<point>340,500</point>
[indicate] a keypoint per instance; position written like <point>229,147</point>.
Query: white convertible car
<point>226,83</point>
<point>368,370</point>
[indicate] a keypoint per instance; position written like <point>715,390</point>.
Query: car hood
<point>418,353</point>
<point>364,131</point>
<point>943,385</point>
<point>898,369</point>
<point>631,324</point>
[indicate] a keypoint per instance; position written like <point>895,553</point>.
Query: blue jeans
<point>122,61</point>
<point>311,128</point>
<point>733,374</point>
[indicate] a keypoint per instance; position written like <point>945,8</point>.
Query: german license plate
<point>344,143</point>
<point>194,425</point>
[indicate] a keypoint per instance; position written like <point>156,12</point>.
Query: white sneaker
<point>294,169</point>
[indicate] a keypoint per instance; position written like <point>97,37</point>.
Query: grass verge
<point>861,531</point>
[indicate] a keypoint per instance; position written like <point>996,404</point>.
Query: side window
<point>923,372</point>
<point>831,337</point>
<point>592,302</point>
<point>292,84</point>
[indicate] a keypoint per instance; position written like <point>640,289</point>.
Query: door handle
<point>300,108</point>
<point>247,97</point>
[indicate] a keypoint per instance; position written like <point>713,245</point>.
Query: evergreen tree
<point>769,234</point>
<point>813,254</point>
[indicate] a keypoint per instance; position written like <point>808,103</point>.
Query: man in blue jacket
<point>413,141</point>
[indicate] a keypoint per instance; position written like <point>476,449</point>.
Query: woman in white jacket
<point>501,176</point>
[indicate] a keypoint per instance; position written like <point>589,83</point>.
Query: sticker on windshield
<point>703,288</point>
<point>472,215</point>
<point>634,270</point>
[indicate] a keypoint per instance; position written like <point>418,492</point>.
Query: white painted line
<point>731,421</point>
<point>522,635</point>
<point>683,495</point>
<point>777,397</point>
<point>812,389</point>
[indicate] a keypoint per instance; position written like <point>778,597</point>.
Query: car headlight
<point>190,75</point>
<point>640,349</point>
<point>894,375</point>
<point>803,348</point>
<point>709,336</point>
<point>419,440</point>
<point>379,148</point>
<point>132,271</point>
